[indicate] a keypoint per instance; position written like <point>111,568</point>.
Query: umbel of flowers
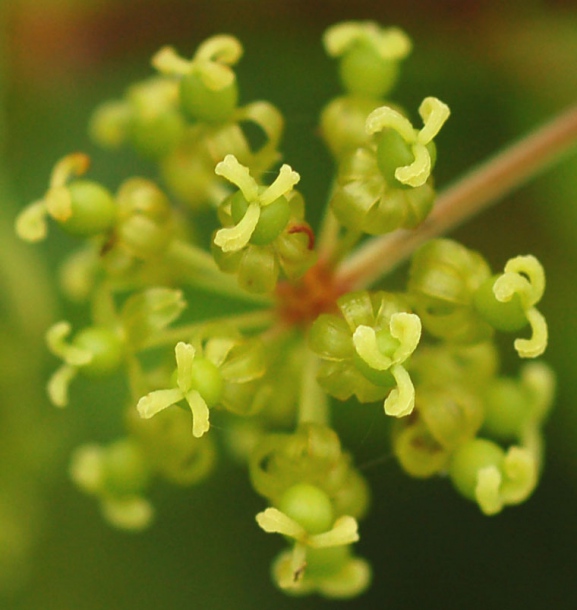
<point>307,331</point>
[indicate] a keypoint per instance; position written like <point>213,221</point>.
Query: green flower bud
<point>147,313</point>
<point>365,201</point>
<point>92,209</point>
<point>508,302</point>
<point>116,475</point>
<point>311,456</point>
<point>82,208</point>
<point>170,449</point>
<point>105,347</point>
<point>381,337</point>
<point>205,376</point>
<point>208,89</point>
<point>249,208</point>
<point>506,409</point>
<point>418,453</point>
<point>343,124</point>
<point>309,506</point>
<point>399,142</point>
<point>94,351</point>
<point>469,460</point>
<point>452,415</point>
<point>204,103</point>
<point>125,469</point>
<point>443,278</point>
<point>370,56</point>
<point>484,473</point>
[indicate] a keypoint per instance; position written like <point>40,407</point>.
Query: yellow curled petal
<point>365,342</point>
<point>273,521</point>
<point>385,116</point>
<point>200,413</point>
<point>59,203</point>
<point>401,400</point>
<point>434,114</point>
<point>530,267</point>
<point>31,222</point>
<point>232,239</point>
<point>340,37</point>
<point>418,172</point>
<point>222,48</point>
<point>536,345</point>
<point>406,328</point>
<point>344,531</point>
<point>168,61</point>
<point>215,76</point>
<point>185,354</point>
<point>155,402</point>
<point>238,175</point>
<point>57,387</point>
<point>283,183</point>
<point>487,491</point>
<point>520,470</point>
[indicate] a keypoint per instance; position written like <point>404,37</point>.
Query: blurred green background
<point>503,67</point>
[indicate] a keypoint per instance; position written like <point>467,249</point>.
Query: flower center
<point>300,303</point>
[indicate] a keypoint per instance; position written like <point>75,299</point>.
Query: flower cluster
<point>307,330</point>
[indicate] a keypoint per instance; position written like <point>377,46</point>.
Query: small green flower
<point>365,350</point>
<point>118,475</point>
<point>81,207</point>
<point>386,185</point>
<point>208,88</point>
<point>402,150</point>
<point>198,382</point>
<point>222,372</point>
<point>267,232</point>
<point>508,301</point>
<point>369,55</point>
<point>306,515</point>
<point>261,212</point>
<point>483,472</point>
<point>515,409</point>
<point>443,279</point>
<point>95,351</point>
<point>148,117</point>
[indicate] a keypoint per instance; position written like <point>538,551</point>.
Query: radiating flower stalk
<point>310,325</point>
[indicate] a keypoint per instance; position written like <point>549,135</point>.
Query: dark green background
<point>503,67</point>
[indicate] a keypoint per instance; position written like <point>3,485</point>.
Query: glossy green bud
<point>157,135</point>
<point>272,220</point>
<point>105,346</point>
<point>471,458</point>
<point>309,506</point>
<point>363,72</point>
<point>203,103</point>
<point>258,270</point>
<point>369,55</point>
<point>92,209</point>
<point>343,124</point>
<point>206,379</point>
<point>506,316</point>
<point>208,89</point>
<point>507,409</point>
<point>443,279</point>
<point>125,469</point>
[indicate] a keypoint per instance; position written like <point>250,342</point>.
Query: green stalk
<point>199,269</point>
